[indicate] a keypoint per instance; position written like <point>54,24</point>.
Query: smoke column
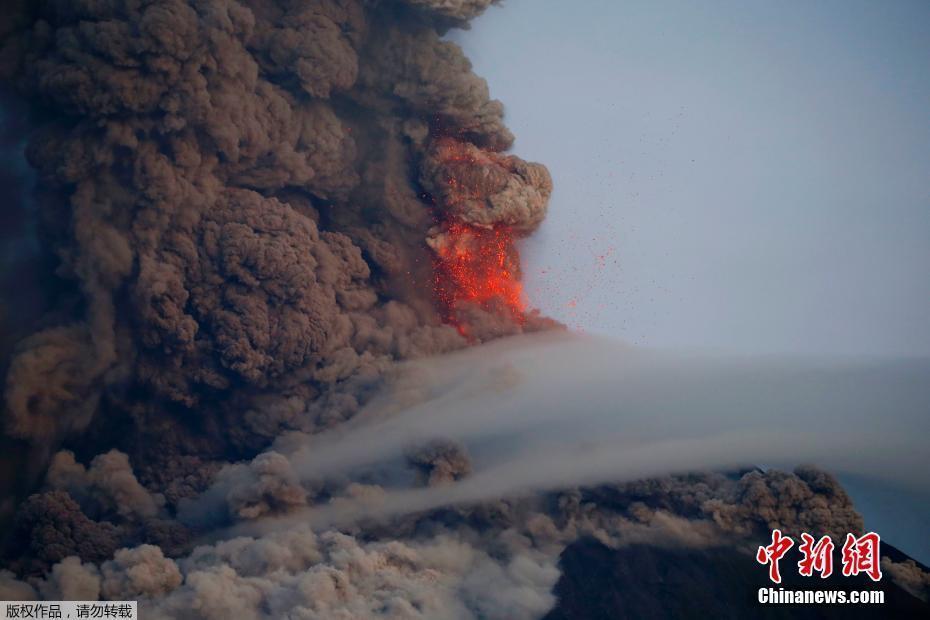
<point>254,202</point>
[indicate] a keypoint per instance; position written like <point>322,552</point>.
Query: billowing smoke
<point>252,210</point>
<point>258,214</point>
<point>255,203</point>
<point>246,195</point>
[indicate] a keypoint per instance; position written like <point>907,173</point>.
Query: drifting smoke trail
<point>557,410</point>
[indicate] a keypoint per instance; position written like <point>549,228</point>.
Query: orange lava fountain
<point>478,266</point>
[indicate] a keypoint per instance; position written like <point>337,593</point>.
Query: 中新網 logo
<point>859,555</point>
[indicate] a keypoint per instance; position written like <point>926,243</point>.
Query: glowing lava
<point>483,200</point>
<point>478,266</point>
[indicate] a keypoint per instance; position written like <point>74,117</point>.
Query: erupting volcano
<point>267,234</point>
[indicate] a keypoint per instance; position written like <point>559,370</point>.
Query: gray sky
<point>748,176</point>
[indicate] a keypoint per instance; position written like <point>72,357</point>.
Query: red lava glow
<point>479,266</point>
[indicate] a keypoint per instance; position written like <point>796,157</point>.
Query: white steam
<point>553,410</point>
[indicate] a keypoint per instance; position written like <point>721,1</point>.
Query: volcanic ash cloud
<point>243,200</point>
<point>252,211</point>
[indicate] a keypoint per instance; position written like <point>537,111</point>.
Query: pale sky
<point>741,175</point>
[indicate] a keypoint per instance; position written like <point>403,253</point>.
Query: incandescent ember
<point>479,266</point>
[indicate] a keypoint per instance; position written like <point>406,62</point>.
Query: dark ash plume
<point>236,190</point>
